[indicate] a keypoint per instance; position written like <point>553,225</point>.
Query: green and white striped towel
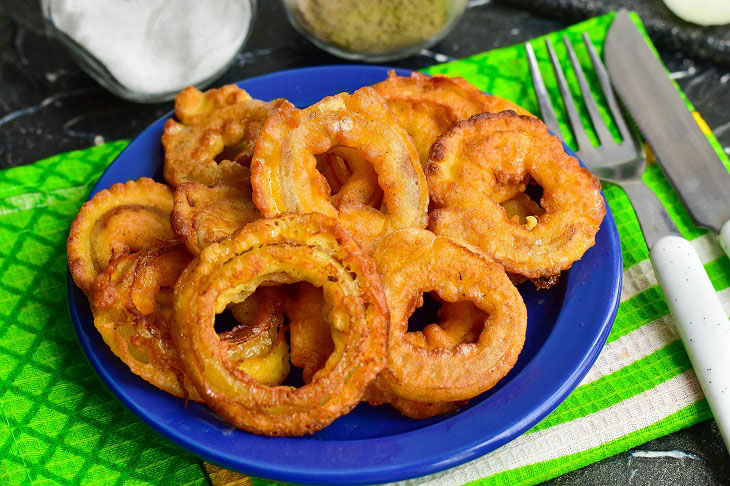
<point>61,426</point>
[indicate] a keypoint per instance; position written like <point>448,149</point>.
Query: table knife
<point>703,185</point>
<point>683,151</point>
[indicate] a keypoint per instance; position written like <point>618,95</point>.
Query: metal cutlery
<point>701,320</point>
<point>682,150</point>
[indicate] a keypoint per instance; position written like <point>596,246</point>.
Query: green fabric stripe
<point>633,313</point>
<point>642,308</point>
<point>719,272</point>
<point>631,380</point>
<point>60,425</point>
<point>78,167</point>
<point>633,246</point>
<point>543,471</point>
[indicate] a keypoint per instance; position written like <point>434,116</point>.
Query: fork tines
<point>548,113</point>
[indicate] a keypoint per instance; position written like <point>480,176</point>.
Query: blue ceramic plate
<point>567,327</point>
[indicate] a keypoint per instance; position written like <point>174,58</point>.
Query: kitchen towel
<point>61,426</point>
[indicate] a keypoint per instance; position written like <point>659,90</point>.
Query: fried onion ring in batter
<point>311,345</point>
<point>132,305</point>
<point>427,106</point>
<point>464,172</point>
<point>214,140</point>
<point>520,206</point>
<point>287,249</point>
<point>284,168</point>
<point>376,396</point>
<point>309,336</point>
<point>123,219</point>
<point>257,345</point>
<point>462,357</point>
<point>354,180</point>
<point>459,322</point>
<point>204,215</point>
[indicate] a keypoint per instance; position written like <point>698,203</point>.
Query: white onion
<point>702,12</point>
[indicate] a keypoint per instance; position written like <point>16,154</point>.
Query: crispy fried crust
<point>133,310</point>
<point>214,139</point>
<point>284,171</point>
<point>257,345</point>
<point>287,249</point>
<point>203,215</point>
<point>465,173</point>
<point>132,306</point>
<point>311,345</point>
<point>310,337</point>
<point>125,218</point>
<point>377,395</point>
<point>427,106</point>
<point>352,179</point>
<point>470,351</point>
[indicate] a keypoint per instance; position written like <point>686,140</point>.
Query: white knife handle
<point>725,237</point>
<point>701,320</point>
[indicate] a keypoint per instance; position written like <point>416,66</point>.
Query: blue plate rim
<point>408,463</point>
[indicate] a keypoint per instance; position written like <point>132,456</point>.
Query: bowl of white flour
<point>148,50</point>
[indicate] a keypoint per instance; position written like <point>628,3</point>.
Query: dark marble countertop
<point>48,105</point>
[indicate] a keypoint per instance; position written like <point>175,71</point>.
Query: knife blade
<point>682,150</point>
<point>703,184</point>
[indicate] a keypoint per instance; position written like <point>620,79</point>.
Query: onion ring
<point>214,140</point>
<point>132,306</point>
<point>520,206</point>
<point>203,215</point>
<point>465,170</point>
<point>311,345</point>
<point>309,336</point>
<point>457,360</point>
<point>427,106</point>
<point>257,345</point>
<point>354,181</point>
<point>123,219</point>
<point>287,249</point>
<point>285,178</point>
<point>376,396</point>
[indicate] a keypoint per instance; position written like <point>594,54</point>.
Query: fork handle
<point>701,321</point>
<point>653,217</point>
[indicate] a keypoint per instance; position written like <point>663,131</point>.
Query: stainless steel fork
<point>623,162</point>
<point>679,270</point>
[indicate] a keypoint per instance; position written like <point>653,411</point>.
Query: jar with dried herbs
<point>374,30</point>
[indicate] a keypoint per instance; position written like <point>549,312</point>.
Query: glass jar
<point>374,30</point>
<point>148,50</point>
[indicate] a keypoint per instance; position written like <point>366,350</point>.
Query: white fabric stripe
<point>633,347</point>
<point>603,426</point>
<point>611,423</point>
<point>637,278</point>
<point>640,277</point>
<point>640,343</point>
<point>577,435</point>
<point>708,248</point>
